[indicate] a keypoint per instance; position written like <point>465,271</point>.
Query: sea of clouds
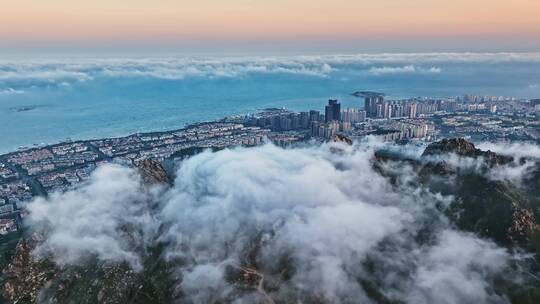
<point>324,208</point>
<point>17,74</point>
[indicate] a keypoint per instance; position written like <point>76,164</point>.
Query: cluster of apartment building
<point>377,107</point>
<point>403,130</point>
<point>470,98</point>
<point>491,127</point>
<point>43,160</point>
<point>334,120</point>
<point>14,192</point>
<point>279,120</point>
<point>65,179</point>
<point>6,173</point>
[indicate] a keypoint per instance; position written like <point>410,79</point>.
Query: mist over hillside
<point>315,223</point>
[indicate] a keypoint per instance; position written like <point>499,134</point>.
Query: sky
<point>246,26</point>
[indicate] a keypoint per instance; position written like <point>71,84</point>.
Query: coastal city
<point>43,170</point>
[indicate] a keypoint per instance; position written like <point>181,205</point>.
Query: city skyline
<point>245,26</point>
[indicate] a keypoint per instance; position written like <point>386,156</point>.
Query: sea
<point>50,99</point>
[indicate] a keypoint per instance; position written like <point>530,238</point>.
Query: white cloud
<point>525,156</point>
<point>534,86</point>
<point>424,58</point>
<point>516,149</point>
<point>44,74</point>
<point>515,171</point>
<point>408,69</point>
<point>327,211</point>
<point>329,214</point>
<point>95,219</point>
<point>177,71</point>
<point>55,71</point>
<point>62,71</point>
<point>11,91</point>
<point>457,270</point>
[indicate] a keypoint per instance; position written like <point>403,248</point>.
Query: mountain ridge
<point>494,209</point>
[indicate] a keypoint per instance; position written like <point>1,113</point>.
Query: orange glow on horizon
<point>101,20</point>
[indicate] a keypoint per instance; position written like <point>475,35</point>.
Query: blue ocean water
<point>46,100</point>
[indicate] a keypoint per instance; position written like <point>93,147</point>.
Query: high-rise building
<point>448,105</point>
<point>275,123</point>
<point>295,121</point>
<point>411,109</point>
<point>315,128</point>
<point>369,105</point>
<point>337,109</point>
<point>328,113</point>
<point>332,111</point>
<point>304,120</point>
<point>331,129</point>
<point>387,110</point>
<point>327,130</point>
<point>353,115</point>
<point>314,116</point>
<point>379,112</point>
<point>361,116</point>
<point>371,102</point>
<point>397,110</point>
<point>284,123</point>
<point>345,126</point>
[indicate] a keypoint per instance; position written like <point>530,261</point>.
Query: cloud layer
<point>408,69</point>
<point>29,72</point>
<point>11,91</point>
<point>321,214</point>
<point>108,218</point>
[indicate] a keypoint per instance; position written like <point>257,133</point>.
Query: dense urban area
<point>42,170</point>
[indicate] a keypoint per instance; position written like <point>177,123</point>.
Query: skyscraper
<point>387,110</point>
<point>371,102</point>
<point>379,110</point>
<point>314,116</point>
<point>328,113</point>
<point>370,106</point>
<point>412,109</point>
<point>332,111</point>
<point>304,120</point>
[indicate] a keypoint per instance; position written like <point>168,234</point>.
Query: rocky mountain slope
<point>29,279</point>
<point>495,208</point>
